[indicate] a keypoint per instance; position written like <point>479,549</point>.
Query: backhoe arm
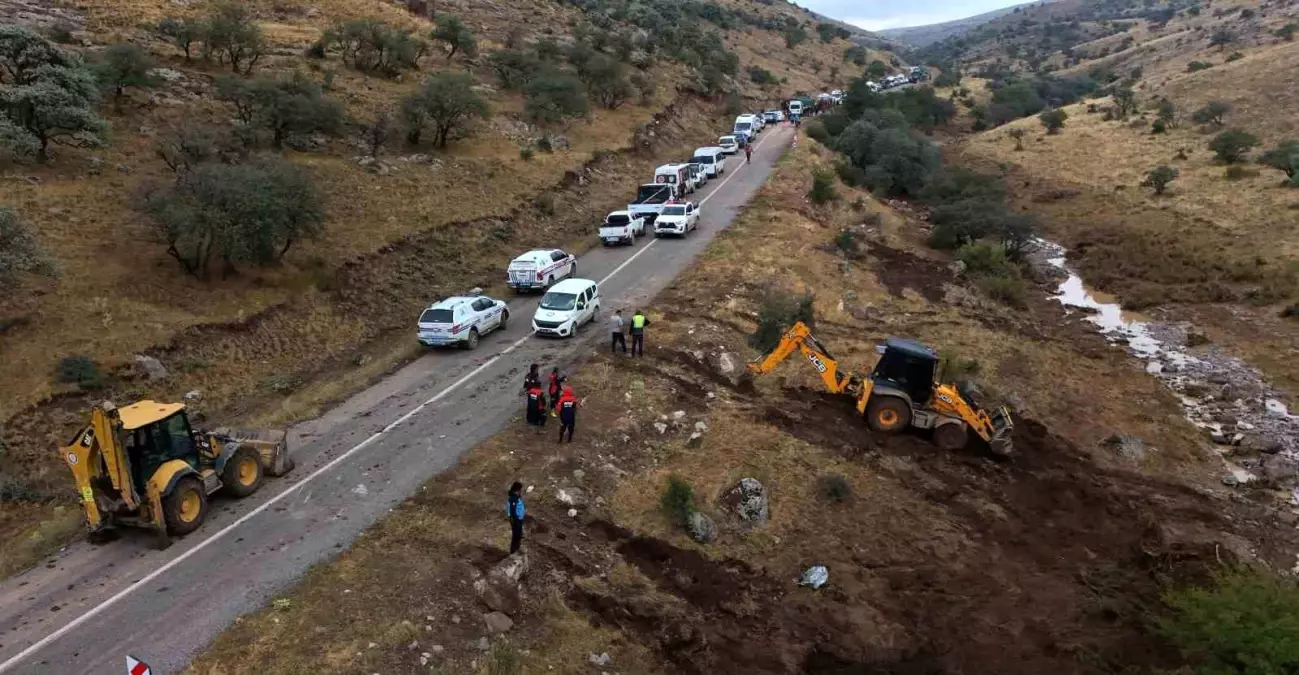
<point>798,337</point>
<point>993,428</point>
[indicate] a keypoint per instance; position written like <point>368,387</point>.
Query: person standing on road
<point>638,323</point>
<point>515,510</point>
<point>536,407</point>
<point>618,327</point>
<point>748,153</point>
<point>567,413</point>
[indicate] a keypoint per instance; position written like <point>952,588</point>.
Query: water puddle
<point>1230,400</point>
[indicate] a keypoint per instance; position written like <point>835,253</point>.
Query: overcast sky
<point>881,14</point>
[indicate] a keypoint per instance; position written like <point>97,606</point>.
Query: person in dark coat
<point>552,390</point>
<point>515,511</point>
<point>536,407</point>
<point>532,378</point>
<point>567,406</point>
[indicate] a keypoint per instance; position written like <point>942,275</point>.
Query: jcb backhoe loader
<point>901,391</point>
<point>142,465</point>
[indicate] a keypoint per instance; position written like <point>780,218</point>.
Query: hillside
<point>922,36</point>
<point>398,223</point>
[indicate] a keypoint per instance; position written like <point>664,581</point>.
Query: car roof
<point>572,286</point>
<point>726,136</point>
<point>708,149</point>
<point>453,301</point>
<point>619,213</point>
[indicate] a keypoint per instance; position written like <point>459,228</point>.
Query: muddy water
<point>1230,400</point>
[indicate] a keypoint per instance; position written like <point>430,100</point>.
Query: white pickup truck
<point>650,199</point>
<point>621,228</point>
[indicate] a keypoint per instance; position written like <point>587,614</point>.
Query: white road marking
<point>170,564</point>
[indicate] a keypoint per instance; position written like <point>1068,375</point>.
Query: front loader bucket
<point>271,444</point>
<point>1002,426</point>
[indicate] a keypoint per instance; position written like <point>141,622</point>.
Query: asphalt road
<point>92,605</point>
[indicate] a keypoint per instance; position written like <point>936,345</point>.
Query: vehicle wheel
<point>572,271</point>
<point>505,319</point>
<point>472,342</point>
<point>888,414</point>
<point>185,507</point>
<point>550,281</point>
<point>951,436</point>
<point>242,474</point>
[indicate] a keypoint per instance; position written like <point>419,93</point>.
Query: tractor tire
<point>242,474</point>
<point>951,436</point>
<point>888,414</point>
<point>185,508</point>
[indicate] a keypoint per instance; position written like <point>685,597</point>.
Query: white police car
<point>540,268</point>
<point>461,320</point>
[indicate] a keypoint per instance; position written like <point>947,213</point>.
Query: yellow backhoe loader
<point>144,466</point>
<point>901,391</point>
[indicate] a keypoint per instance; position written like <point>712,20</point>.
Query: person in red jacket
<point>567,406</point>
<point>555,386</point>
<point>536,410</point>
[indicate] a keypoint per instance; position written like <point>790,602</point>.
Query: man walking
<point>617,326</point>
<point>514,509</point>
<point>567,413</point>
<point>638,323</point>
<point>553,390</point>
<point>748,153</point>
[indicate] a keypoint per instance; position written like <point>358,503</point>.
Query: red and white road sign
<point>135,666</point>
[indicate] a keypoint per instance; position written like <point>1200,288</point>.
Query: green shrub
<point>1009,290</point>
<point>777,312</point>
<point>285,106</point>
<point>554,97</point>
<point>817,132</point>
<point>545,203</point>
<point>1196,66</point>
<point>1244,622</point>
<point>447,102</point>
<point>1159,178</point>
<point>544,144</point>
<point>124,65</point>
<point>982,259</point>
<point>457,37</point>
<point>834,487</point>
<point>678,500</point>
<point>81,371</point>
<point>526,153</point>
<point>1238,172</point>
<point>371,45</point>
<point>20,252</point>
<point>1213,113</point>
<point>761,76</point>
<point>1234,56</point>
<point>515,68</point>
<point>1284,157</point>
<point>847,242</point>
<point>233,36</point>
<point>1232,145</point>
<point>1053,120</point>
<point>822,187</point>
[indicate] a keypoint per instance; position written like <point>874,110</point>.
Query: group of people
<point>557,400</point>
<point>619,328</point>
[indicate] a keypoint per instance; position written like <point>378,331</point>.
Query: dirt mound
<point>899,269</point>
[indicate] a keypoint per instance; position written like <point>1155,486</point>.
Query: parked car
<point>745,124</point>
<point>620,227</point>
<point>539,269</point>
<point>678,175</point>
<point>650,199</point>
<point>461,320</point>
<point>712,159</point>
<point>729,144</point>
<point>698,172</point>
<point>565,307</point>
<point>677,218</point>
<point>773,116</point>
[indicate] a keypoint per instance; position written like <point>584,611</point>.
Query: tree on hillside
<point>448,102</point>
<point>452,32</point>
<point>1284,157</point>
<point>183,32</point>
<point>1159,178</point>
<point>236,213</point>
<point>124,65</point>
<point>1166,112</point>
<point>856,54</point>
<point>1017,134</point>
<point>285,106</point>
<point>606,80</point>
<point>827,32</point>
<point>373,46</point>
<point>46,96</point>
<point>877,69</point>
<point>1221,38</point>
<point>554,97</point>
<point>1287,32</point>
<point>192,144</point>
<point>1053,120</point>
<point>19,251</point>
<point>1213,113</point>
<point>795,36</point>
<point>514,68</point>
<point>377,133</point>
<point>233,36</point>
<point>1232,145</point>
<point>1125,102</point>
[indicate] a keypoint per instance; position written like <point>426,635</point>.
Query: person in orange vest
<point>536,410</point>
<point>567,413</point>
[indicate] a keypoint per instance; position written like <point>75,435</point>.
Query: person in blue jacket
<point>514,509</point>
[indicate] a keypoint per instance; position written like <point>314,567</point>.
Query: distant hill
<point>920,36</point>
<point>859,35</point>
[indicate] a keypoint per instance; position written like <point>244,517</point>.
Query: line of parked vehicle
<point>570,302</point>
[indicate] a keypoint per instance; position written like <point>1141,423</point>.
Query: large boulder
<point>571,496</point>
<point>701,528</point>
<point>497,622</point>
<point>151,367</point>
<point>499,588</point>
<point>748,500</point>
<point>1126,446</point>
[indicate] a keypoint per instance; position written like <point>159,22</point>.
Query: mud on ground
<point>939,562</point>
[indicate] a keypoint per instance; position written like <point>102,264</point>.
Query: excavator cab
<point>144,465</point>
<point>908,366</point>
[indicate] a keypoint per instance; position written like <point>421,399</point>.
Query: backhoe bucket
<point>1002,426</point>
<point>271,444</point>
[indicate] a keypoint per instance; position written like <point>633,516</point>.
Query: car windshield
<point>561,302</point>
<point>617,220</point>
<point>653,194</point>
<point>744,126</point>
<point>702,159</point>
<point>437,316</point>
<point>674,210</point>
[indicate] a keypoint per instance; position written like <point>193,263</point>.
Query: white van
<point>566,306</point>
<point>712,159</point>
<point>678,175</point>
<point>746,124</point>
<point>795,107</point>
